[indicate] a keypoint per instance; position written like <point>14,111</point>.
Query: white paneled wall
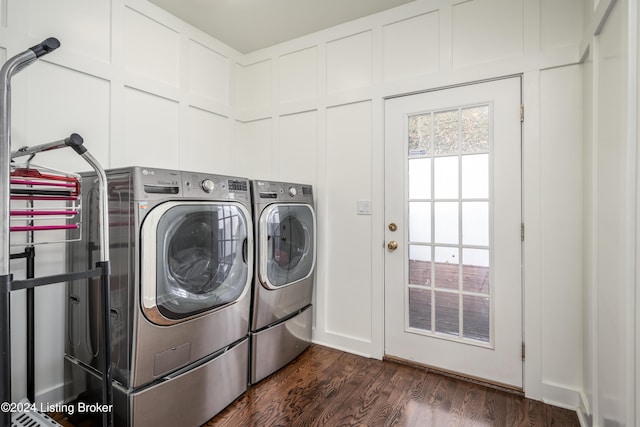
<point>560,31</point>
<point>142,88</point>
<point>588,175</point>
<point>298,75</point>
<point>347,306</point>
<point>611,193</point>
<point>253,150</point>
<point>62,101</point>
<point>297,145</point>
<point>89,35</point>
<point>349,63</point>
<point>209,142</point>
<point>561,147</point>
<point>151,48</point>
<point>208,73</point>
<point>486,30</point>
<point>254,86</point>
<point>411,47</point>
<point>150,131</point>
<point>340,77</point>
<point>611,221</point>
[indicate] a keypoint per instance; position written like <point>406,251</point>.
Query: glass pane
<point>420,178</point>
<point>475,176</point>
<point>447,267</point>
<point>289,245</point>
<point>420,308</point>
<point>200,262</point>
<point>446,135</point>
<point>475,129</point>
<point>445,177</point>
<point>446,222</point>
<point>420,135</point>
<point>420,222</point>
<point>447,309</point>
<point>475,270</point>
<point>475,223</point>
<point>420,265</point>
<point>449,179</point>
<point>476,317</point>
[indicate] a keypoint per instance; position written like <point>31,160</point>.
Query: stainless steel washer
<point>285,230</point>
<point>182,264</point>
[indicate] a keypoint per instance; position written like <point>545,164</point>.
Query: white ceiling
<point>248,25</point>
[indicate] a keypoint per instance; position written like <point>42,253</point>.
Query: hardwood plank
<point>307,377</point>
<point>364,398</point>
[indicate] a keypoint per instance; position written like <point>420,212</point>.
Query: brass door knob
<point>392,245</point>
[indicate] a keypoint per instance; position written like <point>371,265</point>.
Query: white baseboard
<point>561,396</point>
<point>345,343</point>
<point>53,395</point>
<point>584,412</point>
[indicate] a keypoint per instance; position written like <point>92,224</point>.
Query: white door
<point>453,282</point>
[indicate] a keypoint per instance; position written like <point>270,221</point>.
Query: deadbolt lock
<point>393,226</point>
<point>392,245</point>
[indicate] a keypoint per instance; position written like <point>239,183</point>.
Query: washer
<point>285,234</point>
<point>182,265</point>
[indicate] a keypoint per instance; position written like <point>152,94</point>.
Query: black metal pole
<point>31,337</point>
<point>107,392</point>
<point>5,349</point>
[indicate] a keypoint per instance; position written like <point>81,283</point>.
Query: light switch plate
<point>364,207</point>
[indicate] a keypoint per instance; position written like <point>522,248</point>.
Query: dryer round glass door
<point>287,244</point>
<point>195,258</point>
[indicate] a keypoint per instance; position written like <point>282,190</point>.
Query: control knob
<point>207,185</point>
<point>292,191</point>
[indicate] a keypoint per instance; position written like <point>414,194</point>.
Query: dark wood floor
<point>326,387</point>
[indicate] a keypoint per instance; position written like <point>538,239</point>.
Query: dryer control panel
<point>266,191</point>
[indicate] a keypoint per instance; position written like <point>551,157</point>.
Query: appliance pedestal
<point>188,397</point>
<point>279,344</point>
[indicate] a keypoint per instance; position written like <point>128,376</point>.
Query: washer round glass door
<point>195,258</point>
<point>287,245</point>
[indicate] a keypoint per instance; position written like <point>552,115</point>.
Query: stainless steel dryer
<point>285,234</point>
<point>182,264</point>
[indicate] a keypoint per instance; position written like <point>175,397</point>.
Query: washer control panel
<point>159,184</point>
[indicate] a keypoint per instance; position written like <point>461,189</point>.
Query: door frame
<point>381,253</point>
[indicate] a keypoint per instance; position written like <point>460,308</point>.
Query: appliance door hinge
<point>521,113</point>
<point>523,351</point>
<point>522,232</point>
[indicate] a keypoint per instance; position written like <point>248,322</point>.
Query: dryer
<point>182,265</point>
<point>285,236</point>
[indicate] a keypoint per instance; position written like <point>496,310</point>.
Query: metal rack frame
<point>7,284</point>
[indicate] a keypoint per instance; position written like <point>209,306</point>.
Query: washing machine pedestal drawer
<point>274,347</point>
<point>195,396</point>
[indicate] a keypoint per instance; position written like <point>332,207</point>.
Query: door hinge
<point>521,113</point>
<point>523,351</point>
<point>522,232</point>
